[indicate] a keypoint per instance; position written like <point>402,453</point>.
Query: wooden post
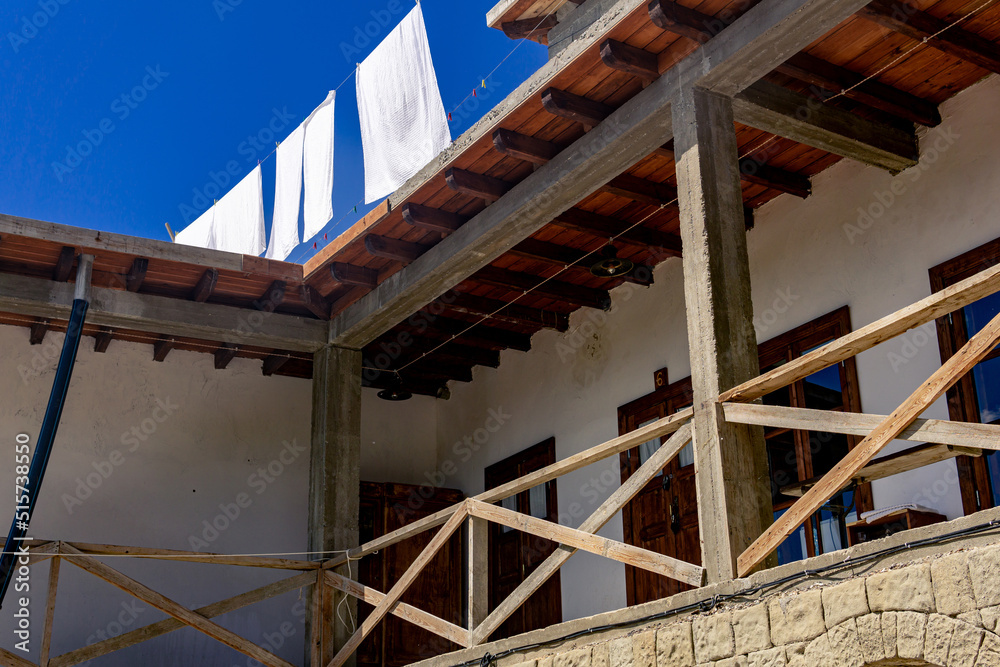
<point>478,603</point>
<point>334,481</point>
<point>734,494</point>
<point>50,610</point>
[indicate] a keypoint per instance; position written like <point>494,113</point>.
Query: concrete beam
<point>334,479</point>
<point>630,133</point>
<point>38,297</point>
<point>809,121</point>
<point>733,486</point>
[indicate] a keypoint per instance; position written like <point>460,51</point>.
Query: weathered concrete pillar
<point>734,493</point>
<point>334,481</point>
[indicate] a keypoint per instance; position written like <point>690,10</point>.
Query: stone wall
<point>942,611</point>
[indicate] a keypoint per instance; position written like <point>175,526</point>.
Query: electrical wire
<point>711,603</point>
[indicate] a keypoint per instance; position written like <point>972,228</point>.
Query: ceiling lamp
<point>395,391</point>
<point>610,265</point>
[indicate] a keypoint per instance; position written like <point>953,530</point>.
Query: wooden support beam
<point>140,635</point>
<point>38,331</point>
<point>334,474</point>
<point>936,33</point>
<point>400,587</point>
<point>171,608</point>
<point>64,265</point>
<point>432,219</point>
<point>509,313</point>
<point>567,105</point>
<point>957,434</point>
<point>402,610</point>
<point>659,243</point>
<point>477,559</point>
<point>930,308</point>
<point>523,147</point>
<point>641,190</point>
<point>225,354</point>
<point>272,297</point>
<point>162,347</point>
<point>534,28</point>
<point>802,66</point>
<point>759,173</point>
<point>206,285</point>
<point>175,555</point>
<point>358,276</point>
<point>136,274</point>
<point>315,302</point>
<point>576,295</point>
<point>578,539</point>
<point>13,660</point>
<point>50,612</point>
<point>629,59</point>
<point>395,249</point>
<point>103,339</point>
<point>273,363</point>
<point>597,520</point>
<point>476,185</point>
<point>562,256</point>
<point>778,110</point>
<point>482,335</point>
<point>939,382</point>
<point>734,494</point>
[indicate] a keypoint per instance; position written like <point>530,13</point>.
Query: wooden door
<point>514,555</point>
<point>438,589</point>
<point>663,517</point>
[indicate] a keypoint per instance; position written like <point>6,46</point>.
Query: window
<point>976,397</point>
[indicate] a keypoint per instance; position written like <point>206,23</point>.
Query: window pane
<point>649,447</point>
<point>826,449</point>
<point>782,462</point>
<point>686,455</point>
<point>537,502</point>
<point>986,377</point>
<point>794,546</point>
<point>833,522</point>
<point>823,389</point>
<point>510,504</point>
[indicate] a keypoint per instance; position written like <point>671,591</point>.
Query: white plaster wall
<point>225,436</point>
<point>803,252</point>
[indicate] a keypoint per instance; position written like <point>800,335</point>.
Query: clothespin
<point>314,245</point>
<point>324,237</point>
<point>449,115</point>
<point>474,93</point>
<point>355,209</point>
<point>484,83</point>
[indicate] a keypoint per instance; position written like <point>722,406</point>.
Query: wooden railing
<point>948,438</point>
<point>479,511</point>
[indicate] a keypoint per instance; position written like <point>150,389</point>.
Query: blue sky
<point>161,96</point>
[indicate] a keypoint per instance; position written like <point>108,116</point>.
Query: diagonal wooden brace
<point>947,375</point>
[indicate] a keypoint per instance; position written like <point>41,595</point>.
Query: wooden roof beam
<point>38,330</point>
<point>455,351</point>
<point>523,147</point>
<point>136,274</point>
<point>641,190</point>
<point>476,185</point>
<point>481,335</point>
<point>225,354</point>
<point>921,26</point>
<point>206,285</point>
<point>575,295</point>
<point>573,259</point>
<point>64,265</point>
<point>162,347</point>
<point>432,219</point>
<point>511,313</point>
<point>395,249</point>
<point>694,25</point>
<point>102,339</point>
<point>629,59</point>
<point>660,243</point>
<point>533,28</point>
<point>356,276</point>
<point>315,301</point>
<point>272,363</point>
<point>574,107</point>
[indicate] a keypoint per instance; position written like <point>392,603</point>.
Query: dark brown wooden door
<point>664,516</point>
<point>514,555</point>
<point>438,589</point>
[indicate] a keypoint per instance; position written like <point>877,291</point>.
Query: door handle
<point>675,515</point>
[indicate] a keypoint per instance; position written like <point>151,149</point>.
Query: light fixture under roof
<point>395,391</point>
<point>610,265</point>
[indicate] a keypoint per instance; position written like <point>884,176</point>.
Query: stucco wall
<point>202,437</point>
<point>808,257</point>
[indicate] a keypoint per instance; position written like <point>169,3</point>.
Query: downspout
<point>50,423</point>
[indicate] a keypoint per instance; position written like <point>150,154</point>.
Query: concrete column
<point>733,487</point>
<point>335,479</point>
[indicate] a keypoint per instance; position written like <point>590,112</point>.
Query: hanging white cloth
<point>199,232</point>
<point>239,217</point>
<point>403,121</point>
<point>318,167</point>
<point>287,195</point>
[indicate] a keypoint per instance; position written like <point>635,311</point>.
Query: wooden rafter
<point>660,243</point>
<point>225,354</point>
<point>534,29</point>
<point>39,328</point>
<point>482,335</point>
<point>273,363</point>
<point>509,313</point>
<point>206,285</point>
<point>574,107</point>
<point>357,276</point>
<point>136,274</point>
<point>947,375</point>
<point>162,347</point>
<point>395,249</point>
<point>562,256</point>
<point>64,266</point>
<point>476,185</point>
<point>630,59</point>
<point>432,219</point>
<point>566,292</point>
<point>314,301</point>
<point>102,339</point>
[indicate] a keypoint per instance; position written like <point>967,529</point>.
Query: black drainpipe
<point>43,449</point>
